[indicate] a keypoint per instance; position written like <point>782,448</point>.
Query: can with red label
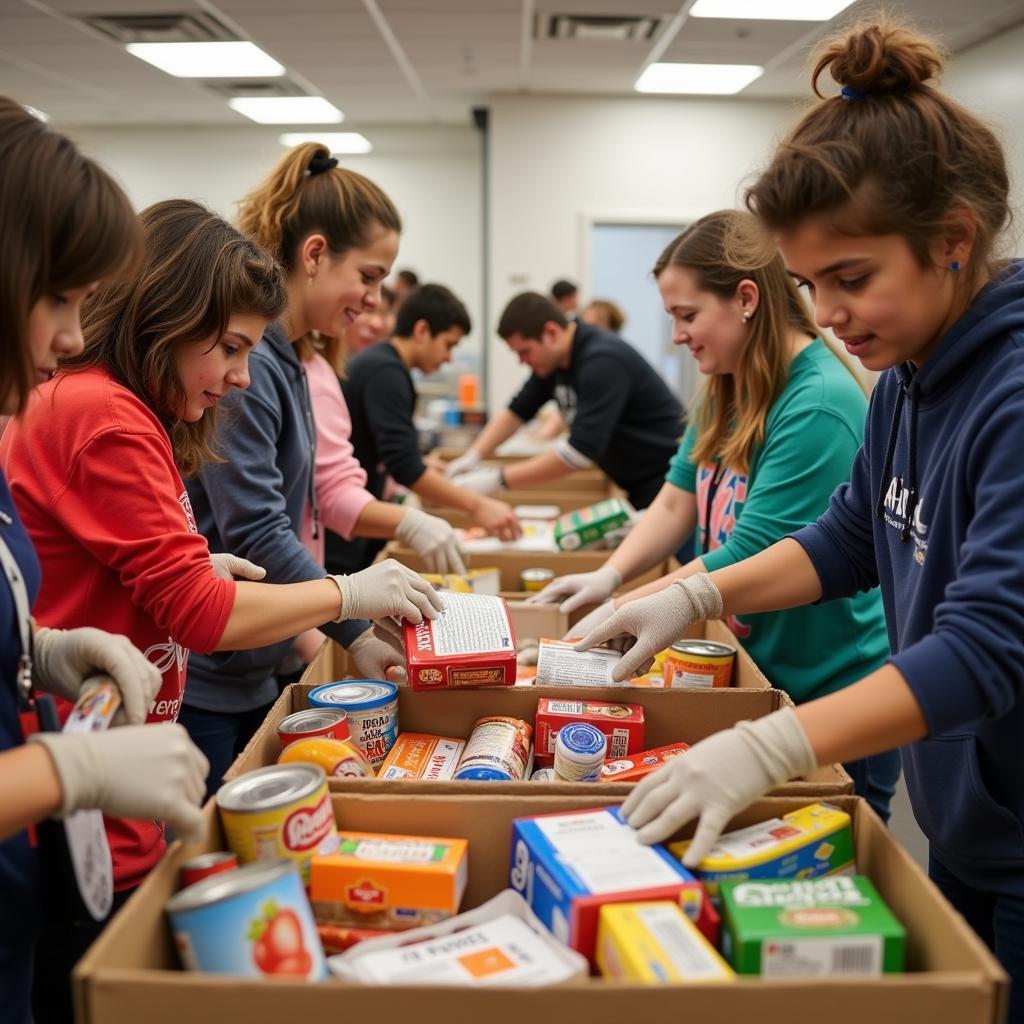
<point>331,723</point>
<point>280,811</point>
<point>197,868</point>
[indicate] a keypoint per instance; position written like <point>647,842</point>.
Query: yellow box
<point>475,581</point>
<point>657,944</point>
<point>389,881</point>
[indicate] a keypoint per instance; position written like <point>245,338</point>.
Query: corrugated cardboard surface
<point>130,973</point>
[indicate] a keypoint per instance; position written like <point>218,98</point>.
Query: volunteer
<point>777,427</point>
<point>621,415</point>
<point>335,233</point>
<point>381,396</point>
<point>887,201</point>
<point>66,226</point>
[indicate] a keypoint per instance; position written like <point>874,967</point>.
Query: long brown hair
<point>307,193</point>
<point>65,223</point>
<point>891,154</point>
<point>196,272</point>
<point>723,249</point>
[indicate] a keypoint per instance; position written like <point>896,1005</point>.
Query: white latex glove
<point>374,654</point>
<point>486,480</point>
<point>229,567</point>
<point>717,778</point>
<point>139,772</point>
<point>579,589</point>
<point>655,622</point>
<point>463,464</point>
<point>592,620</point>
<point>63,659</point>
<point>433,539</point>
<point>387,588</point>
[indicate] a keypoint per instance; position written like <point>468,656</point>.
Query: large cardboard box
<point>130,973</point>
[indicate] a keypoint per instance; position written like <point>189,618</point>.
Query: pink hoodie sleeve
<point>340,481</point>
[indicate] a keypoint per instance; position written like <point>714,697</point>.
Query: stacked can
<point>371,706</point>
<point>580,751</point>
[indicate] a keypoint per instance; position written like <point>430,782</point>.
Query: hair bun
<point>879,57</point>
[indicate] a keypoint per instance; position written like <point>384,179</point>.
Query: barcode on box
<point>822,958</point>
<point>679,943</point>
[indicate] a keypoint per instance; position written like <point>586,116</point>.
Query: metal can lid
<point>581,740</point>
<point>266,788</point>
<point>224,886</point>
<point>313,718</point>
<point>207,860</point>
<point>354,694</point>
<point>705,648</point>
<point>537,574</point>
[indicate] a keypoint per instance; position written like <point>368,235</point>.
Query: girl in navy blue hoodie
<point>887,201</point>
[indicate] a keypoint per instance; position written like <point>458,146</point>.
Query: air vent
<point>194,27</point>
<point>597,28</point>
<point>251,87</point>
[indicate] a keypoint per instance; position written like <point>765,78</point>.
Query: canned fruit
<point>419,756</point>
<point>534,580</point>
<point>698,664</point>
<point>498,749</point>
<point>339,759</point>
<point>206,864</point>
<point>371,706</point>
<point>636,766</point>
<point>331,723</point>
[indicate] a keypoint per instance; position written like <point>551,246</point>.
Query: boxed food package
<point>657,944</point>
<point>559,665</point>
<point>391,882</point>
<point>474,581</point>
<point>596,525</point>
<point>815,840</point>
<point>499,943</point>
<point>416,755</point>
<point>636,766</point>
<point>623,724</point>
<point>569,865</point>
<point>818,927</point>
<point>471,643</point>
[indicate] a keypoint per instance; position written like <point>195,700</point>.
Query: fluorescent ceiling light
<point>35,112</point>
<point>208,60</point>
<point>710,79</point>
<point>770,10</point>
<point>336,142</point>
<point>287,109</point>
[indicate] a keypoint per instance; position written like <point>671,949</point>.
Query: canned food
<point>252,922</point>
<point>303,725</point>
<point>372,709</point>
<point>544,775</point>
<point>580,751</point>
<point>698,663</point>
<point>280,811</point>
<point>533,580</point>
<point>206,864</point>
<point>339,758</point>
<point>498,749</point>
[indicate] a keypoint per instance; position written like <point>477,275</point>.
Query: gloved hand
<point>228,567</point>
<point>656,622</point>
<point>140,771</point>
<point>387,588</point>
<point>579,589</point>
<point>717,778</point>
<point>374,653</point>
<point>592,620</point>
<point>63,659</point>
<point>463,464</point>
<point>497,518</point>
<point>486,480</point>
<point>433,539</point>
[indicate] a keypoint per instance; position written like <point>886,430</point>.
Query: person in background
<point>622,416</point>
<point>887,201</point>
<point>604,314</point>
<point>405,281</point>
<point>335,233</point>
<point>774,432</point>
<point>369,328</point>
<point>566,297</point>
<point>381,396</point>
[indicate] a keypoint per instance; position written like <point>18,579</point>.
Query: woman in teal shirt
<point>776,428</point>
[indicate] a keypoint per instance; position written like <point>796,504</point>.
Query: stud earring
<point>746,317</point>
<point>954,266</point>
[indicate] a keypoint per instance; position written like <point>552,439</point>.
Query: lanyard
<point>20,593</point>
<point>716,479</point>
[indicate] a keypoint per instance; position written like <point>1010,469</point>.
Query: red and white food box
<point>471,643</point>
<point>635,767</point>
<point>623,724</point>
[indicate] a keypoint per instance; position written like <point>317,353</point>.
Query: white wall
<point>432,175</point>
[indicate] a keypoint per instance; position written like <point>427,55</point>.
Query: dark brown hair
<point>527,314</point>
<point>196,272</point>
<point>65,224</point>
<point>723,249</point>
<point>891,154</point>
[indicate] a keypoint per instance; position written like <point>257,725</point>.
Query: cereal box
<point>636,766</point>
<point>821,927</point>
<point>389,882</point>
<point>416,755</point>
<point>657,944</point>
<point>623,724</point>
<point>471,643</point>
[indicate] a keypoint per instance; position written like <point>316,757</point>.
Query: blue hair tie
<point>852,94</point>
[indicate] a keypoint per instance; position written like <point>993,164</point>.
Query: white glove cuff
<point>407,525</point>
<point>42,645</point>
<point>347,592</point>
<point>74,767</point>
<point>779,742</point>
<point>614,576</point>
<point>704,597</point>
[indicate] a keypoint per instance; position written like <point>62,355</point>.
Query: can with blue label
<point>372,709</point>
<point>499,749</point>
<point>253,922</point>
<point>580,751</point>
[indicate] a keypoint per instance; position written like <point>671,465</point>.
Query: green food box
<point>590,525</point>
<point>820,927</point>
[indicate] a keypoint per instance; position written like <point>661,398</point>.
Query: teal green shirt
<point>812,434</point>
